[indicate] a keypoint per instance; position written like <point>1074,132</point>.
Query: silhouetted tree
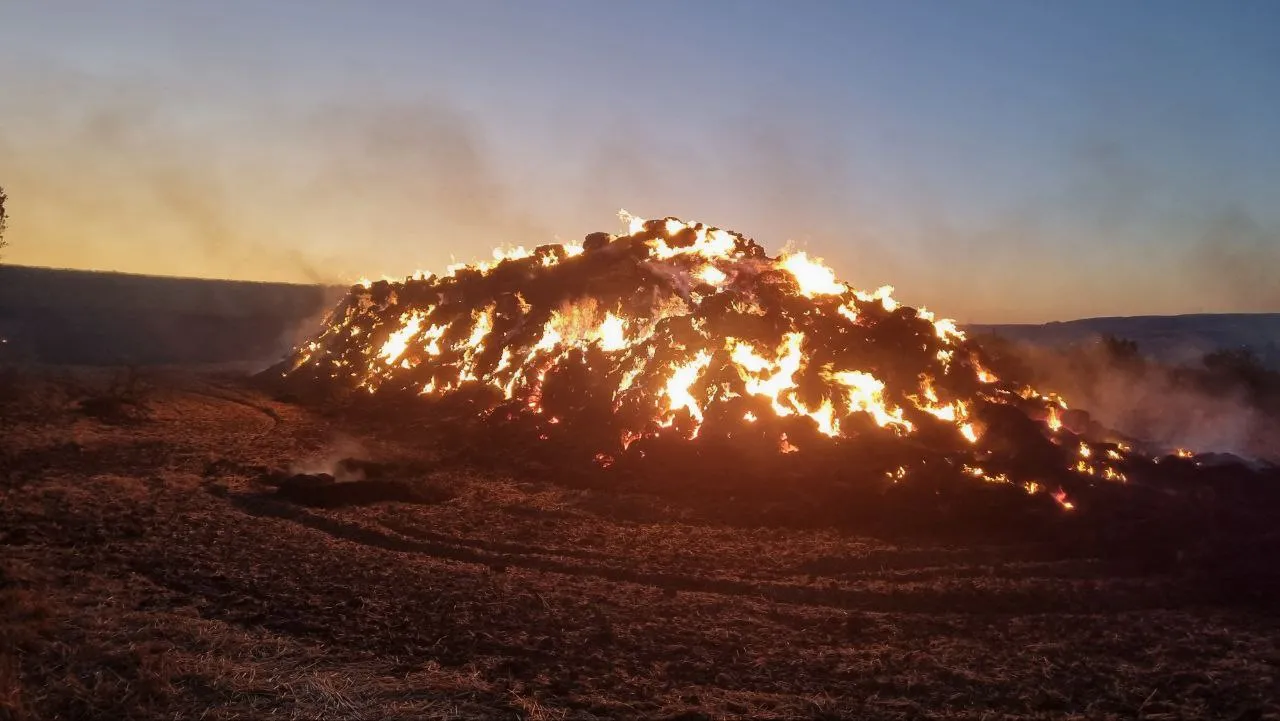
<point>1122,353</point>
<point>4,218</point>
<point>1240,362</point>
<point>1120,348</point>
<point>1241,368</point>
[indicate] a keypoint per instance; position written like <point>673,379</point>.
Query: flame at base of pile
<point>679,340</point>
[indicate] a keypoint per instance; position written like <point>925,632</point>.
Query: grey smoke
<point>1237,259</point>
<point>1150,404</point>
<point>95,160</point>
<point>328,459</point>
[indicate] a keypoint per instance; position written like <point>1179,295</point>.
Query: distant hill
<point>97,318</point>
<point>1168,338</point>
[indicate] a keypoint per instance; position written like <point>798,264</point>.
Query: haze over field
<point>870,359</point>
<point>998,162</point>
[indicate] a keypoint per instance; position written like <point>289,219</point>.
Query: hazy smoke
<point>127,175</point>
<point>1237,259</point>
<point>212,179</point>
<point>304,330</point>
<point>329,460</point>
<point>1150,402</point>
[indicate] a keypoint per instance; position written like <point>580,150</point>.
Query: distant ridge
<point>1169,338</point>
<point>102,318</point>
<point>53,315</point>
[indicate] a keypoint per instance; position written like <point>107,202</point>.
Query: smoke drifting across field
<point>1160,403</point>
<point>235,174</point>
<point>112,175</point>
<point>149,178</point>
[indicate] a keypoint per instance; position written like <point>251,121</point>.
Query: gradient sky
<point>995,161</point>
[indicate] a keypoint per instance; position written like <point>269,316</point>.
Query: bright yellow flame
<point>550,339</point>
<point>884,294</point>
<point>984,375</point>
<point>682,378</point>
<point>927,390</point>
<point>865,393</point>
<point>947,330</point>
<point>784,369</point>
<point>713,275</point>
<point>1055,423</point>
<point>475,344</point>
<point>1112,474</point>
<point>484,323</point>
<point>634,224</point>
<point>708,242</point>
<point>812,276</point>
<point>433,335</point>
<point>825,418</point>
<point>516,253</point>
<point>399,340</point>
<point>612,333</point>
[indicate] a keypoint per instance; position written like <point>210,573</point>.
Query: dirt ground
<point>150,569</point>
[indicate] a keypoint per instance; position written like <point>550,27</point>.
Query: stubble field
<point>152,565</point>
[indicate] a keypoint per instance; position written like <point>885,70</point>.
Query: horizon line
<point>299,284</point>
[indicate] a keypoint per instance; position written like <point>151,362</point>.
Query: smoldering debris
<point>680,354</point>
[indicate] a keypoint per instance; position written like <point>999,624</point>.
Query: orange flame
<point>663,353</point>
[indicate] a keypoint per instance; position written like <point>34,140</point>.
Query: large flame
<point>677,324</point>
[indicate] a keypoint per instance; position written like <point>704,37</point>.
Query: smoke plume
<point>1154,402</point>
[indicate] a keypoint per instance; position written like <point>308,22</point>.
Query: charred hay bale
<point>595,241</point>
<point>941,504</point>
<point>1019,440</point>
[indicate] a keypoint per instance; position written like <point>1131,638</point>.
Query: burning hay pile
<point>686,355</point>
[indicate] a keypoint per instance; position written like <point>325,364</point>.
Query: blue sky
<point>996,161</point>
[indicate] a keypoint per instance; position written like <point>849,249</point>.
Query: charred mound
<point>682,358</point>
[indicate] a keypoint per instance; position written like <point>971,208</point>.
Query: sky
<point>994,161</point>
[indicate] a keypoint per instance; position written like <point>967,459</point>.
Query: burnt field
<point>161,559</point>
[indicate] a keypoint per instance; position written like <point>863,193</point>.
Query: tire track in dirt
<point>229,397</point>
<point>962,596</point>
<point>498,548</point>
